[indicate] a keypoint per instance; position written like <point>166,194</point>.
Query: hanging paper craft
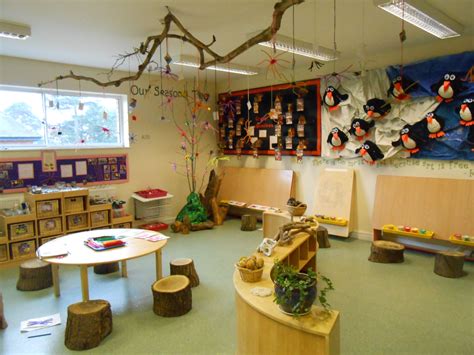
<point>238,127</point>
<point>230,122</point>
<point>238,148</point>
<point>300,127</point>
<point>408,140</point>
<point>337,139</point>
<point>400,87</point>
<point>435,125</point>
<point>370,152</point>
<point>274,65</point>
<point>255,146</point>
<point>332,98</point>
<point>132,105</point>
<point>360,128</point>
<point>300,151</point>
<point>299,104</point>
<point>278,108</point>
<point>377,108</point>
<point>447,88</point>
<point>256,101</point>
<point>231,140</point>
<point>465,112</point>
<point>278,130</point>
<point>238,107</point>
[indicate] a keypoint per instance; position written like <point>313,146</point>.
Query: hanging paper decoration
<point>105,115</point>
<point>274,65</point>
<point>81,106</point>
<point>360,128</point>
<point>377,108</point>
<point>400,87</point>
<point>238,127</point>
<point>134,118</point>
<point>300,126</point>
<point>278,105</point>
<point>465,112</point>
<point>370,152</point>
<point>256,102</point>
<point>238,106</point>
<point>435,125</point>
<point>332,98</point>
<point>447,88</point>
<point>299,104</point>
<point>50,103</point>
<point>300,151</point>
<point>106,130</point>
<point>238,148</point>
<point>408,140</point>
<point>132,137</point>
<point>132,105</point>
<point>230,140</point>
<point>230,120</point>
<point>289,138</point>
<point>337,139</point>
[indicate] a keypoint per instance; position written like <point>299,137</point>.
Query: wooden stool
<point>172,296</point>
<point>3,321</point>
<point>87,324</point>
<point>383,251</point>
<point>248,223</point>
<point>449,264</point>
<point>34,275</point>
<point>185,267</point>
<point>103,269</point>
<point>322,236</point>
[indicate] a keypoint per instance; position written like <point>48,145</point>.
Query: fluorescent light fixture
<point>305,49</point>
<point>189,61</point>
<point>14,30</point>
<point>422,15</point>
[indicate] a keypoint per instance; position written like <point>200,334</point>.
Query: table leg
<point>84,283</point>
<point>124,268</point>
<point>159,273</point>
<point>55,271</point>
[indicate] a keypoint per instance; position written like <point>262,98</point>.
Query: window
<point>40,119</point>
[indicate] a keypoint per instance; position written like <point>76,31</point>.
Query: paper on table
<point>52,251</point>
<point>40,323</point>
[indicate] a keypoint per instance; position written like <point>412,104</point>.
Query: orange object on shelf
<point>158,226</point>
<point>152,193</point>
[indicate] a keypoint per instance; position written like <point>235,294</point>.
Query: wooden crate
<point>123,225</point>
<point>50,226</point>
<point>3,253</point>
<point>77,221</point>
<point>22,230</point>
<point>74,204</point>
<point>23,250</point>
<point>47,208</point>
<point>100,218</point>
<point>46,239</point>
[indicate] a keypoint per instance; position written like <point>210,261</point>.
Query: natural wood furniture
<point>172,296</point>
<point>322,237</point>
<point>271,222</point>
<point>440,205</point>
<point>449,264</point>
<point>104,269</point>
<point>248,223</point>
<point>3,321</point>
<point>263,329</point>
<point>185,266</point>
<point>382,251</point>
<point>34,275</point>
<point>83,256</point>
<point>88,323</point>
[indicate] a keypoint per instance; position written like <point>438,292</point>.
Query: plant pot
<point>289,305</point>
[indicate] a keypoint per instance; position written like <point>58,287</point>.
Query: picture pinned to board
<point>48,162</point>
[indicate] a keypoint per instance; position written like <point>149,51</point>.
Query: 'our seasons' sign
<point>156,91</point>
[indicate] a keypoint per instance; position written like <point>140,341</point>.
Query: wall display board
<point>17,174</point>
<point>285,116</point>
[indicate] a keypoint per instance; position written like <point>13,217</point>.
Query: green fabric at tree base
<point>193,209</point>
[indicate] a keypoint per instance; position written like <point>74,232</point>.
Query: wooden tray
<point>332,221</point>
<point>395,230</point>
<point>452,239</point>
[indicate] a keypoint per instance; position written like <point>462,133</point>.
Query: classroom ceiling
<point>93,32</point>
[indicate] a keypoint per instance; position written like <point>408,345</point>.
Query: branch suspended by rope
<point>151,44</point>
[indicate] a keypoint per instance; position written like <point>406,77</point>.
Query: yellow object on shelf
<point>332,220</point>
<point>392,229</point>
<point>454,240</point>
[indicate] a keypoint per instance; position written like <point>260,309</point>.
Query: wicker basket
<point>250,275</point>
<point>297,210</point>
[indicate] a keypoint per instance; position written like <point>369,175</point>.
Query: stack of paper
<point>40,323</point>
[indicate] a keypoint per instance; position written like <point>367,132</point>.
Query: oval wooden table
<point>84,257</point>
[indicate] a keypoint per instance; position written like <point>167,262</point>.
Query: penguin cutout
<point>370,152</point>
<point>337,139</point>
<point>332,98</point>
<point>360,128</point>
<point>448,87</point>
<point>407,140</point>
<point>435,125</point>
<point>465,112</point>
<point>400,87</point>
<point>377,108</point>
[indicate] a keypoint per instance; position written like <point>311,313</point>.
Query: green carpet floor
<point>385,308</point>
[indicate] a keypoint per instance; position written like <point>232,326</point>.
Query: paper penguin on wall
<point>465,112</point>
<point>448,87</point>
<point>400,87</point>
<point>434,124</point>
<point>337,139</point>
<point>332,98</point>
<point>370,152</point>
<point>408,140</point>
<point>360,128</point>
<point>377,108</point>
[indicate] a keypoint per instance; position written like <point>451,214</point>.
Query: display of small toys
<point>408,231</point>
<point>462,239</point>
<point>266,246</point>
<point>338,221</point>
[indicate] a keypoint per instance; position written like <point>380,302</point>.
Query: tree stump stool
<point>383,251</point>
<point>248,223</point>
<point>449,264</point>
<point>185,266</point>
<point>322,236</point>
<point>172,296</point>
<point>3,321</point>
<point>35,275</point>
<point>88,323</point>
<point>103,269</point>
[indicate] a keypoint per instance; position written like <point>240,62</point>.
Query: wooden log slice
<point>88,323</point>
<point>108,268</point>
<point>449,264</point>
<point>172,296</point>
<point>323,237</point>
<point>383,251</point>
<point>35,275</point>
<point>248,222</point>
<point>185,266</point>
<point>3,321</point>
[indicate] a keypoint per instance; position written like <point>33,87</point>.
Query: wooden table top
<point>80,254</point>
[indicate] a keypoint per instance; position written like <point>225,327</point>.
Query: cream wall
<point>157,144</point>
<point>364,193</point>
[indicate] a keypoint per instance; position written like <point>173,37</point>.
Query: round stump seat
<point>172,296</point>
<point>449,264</point>
<point>3,321</point>
<point>383,251</point>
<point>103,269</point>
<point>35,275</point>
<point>248,222</point>
<point>185,266</point>
<point>322,236</point>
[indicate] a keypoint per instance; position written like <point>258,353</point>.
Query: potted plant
<point>295,292</point>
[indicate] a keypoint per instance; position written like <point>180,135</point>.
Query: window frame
<point>122,100</point>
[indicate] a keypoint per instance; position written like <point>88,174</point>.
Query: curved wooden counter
<point>263,329</point>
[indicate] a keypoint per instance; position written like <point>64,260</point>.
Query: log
<point>88,323</point>
<point>248,222</point>
<point>322,236</point>
<point>172,296</point>
<point>449,264</point>
<point>35,275</point>
<point>185,266</point>
<point>103,269</point>
<point>3,321</point>
<point>211,192</point>
<point>219,212</point>
<point>202,226</point>
<point>383,251</point>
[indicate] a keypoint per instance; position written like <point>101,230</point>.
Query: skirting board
<point>361,235</point>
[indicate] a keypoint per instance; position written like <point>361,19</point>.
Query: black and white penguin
<point>447,87</point>
<point>465,112</point>
<point>377,108</point>
<point>400,87</point>
<point>435,125</point>
<point>360,128</point>
<point>370,152</point>
<point>407,140</point>
<point>332,98</point>
<point>337,139</point>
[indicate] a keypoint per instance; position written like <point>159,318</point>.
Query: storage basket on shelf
<point>297,210</point>
<point>248,275</point>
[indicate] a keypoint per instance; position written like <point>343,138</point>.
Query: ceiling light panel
<point>14,30</point>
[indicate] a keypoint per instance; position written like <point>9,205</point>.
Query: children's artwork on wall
<point>278,114</point>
